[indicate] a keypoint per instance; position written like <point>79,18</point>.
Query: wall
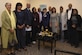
<point>57,3</point>
<point>2,5</point>
<point>36,3</point>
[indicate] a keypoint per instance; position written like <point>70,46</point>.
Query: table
<point>50,39</point>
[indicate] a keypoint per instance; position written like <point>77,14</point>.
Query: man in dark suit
<point>69,11</point>
<point>49,12</point>
<point>28,17</point>
<point>69,14</point>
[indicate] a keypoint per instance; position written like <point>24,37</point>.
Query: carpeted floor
<point>45,50</point>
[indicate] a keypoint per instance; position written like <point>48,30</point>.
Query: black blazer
<point>28,17</point>
<point>68,10</point>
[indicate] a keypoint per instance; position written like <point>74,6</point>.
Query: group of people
<point>20,27</point>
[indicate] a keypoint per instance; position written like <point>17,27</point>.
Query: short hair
<point>44,9</point>
<point>61,7</point>
<point>49,7</point>
<point>28,4</point>
<point>7,3</point>
<point>70,4</point>
<point>39,9</point>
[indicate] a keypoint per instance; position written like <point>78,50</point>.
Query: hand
<point>28,26</point>
<point>46,27</point>
<point>12,31</point>
<point>20,27</point>
<point>38,26</point>
<point>23,25</point>
<point>56,25</point>
<point>50,25</point>
<point>64,25</point>
<point>74,26</point>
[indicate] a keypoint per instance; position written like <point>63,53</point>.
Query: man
<point>69,14</point>
<point>28,21</point>
<point>50,10</point>
<point>69,11</point>
<point>40,18</point>
<point>62,23</point>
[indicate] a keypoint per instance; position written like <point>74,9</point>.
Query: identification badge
<point>34,19</point>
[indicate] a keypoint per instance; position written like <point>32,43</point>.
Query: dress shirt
<point>40,16</point>
<point>69,14</point>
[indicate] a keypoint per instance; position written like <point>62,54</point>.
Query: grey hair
<point>7,3</point>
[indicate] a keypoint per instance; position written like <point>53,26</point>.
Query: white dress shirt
<point>28,8</point>
<point>40,16</point>
<point>69,14</point>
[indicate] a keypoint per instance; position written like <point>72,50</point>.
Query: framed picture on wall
<point>42,6</point>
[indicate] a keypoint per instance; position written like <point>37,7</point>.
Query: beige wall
<point>57,3</point>
<point>2,3</point>
<point>36,3</point>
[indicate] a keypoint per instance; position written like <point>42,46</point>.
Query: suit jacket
<point>49,12</point>
<point>67,12</point>
<point>28,17</point>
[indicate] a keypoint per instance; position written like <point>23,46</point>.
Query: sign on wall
<point>43,6</point>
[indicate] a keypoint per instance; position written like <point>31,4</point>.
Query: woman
<point>8,29</point>
<point>20,24</point>
<point>45,18</point>
<point>75,23</point>
<point>35,24</point>
<point>54,21</point>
